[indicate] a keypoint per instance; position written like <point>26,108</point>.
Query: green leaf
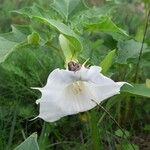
<point>29,144</point>
<point>33,62</point>
<point>38,14</point>
<point>9,41</point>
<point>63,29</point>
<point>106,25</point>
<point>34,10</point>
<point>119,133</point>
<point>33,38</point>
<point>96,12</point>
<point>6,47</point>
<point>95,51</point>
<point>128,49</point>
<point>136,89</point>
<point>65,7</point>
<point>18,33</point>
<point>68,47</point>
<point>107,61</point>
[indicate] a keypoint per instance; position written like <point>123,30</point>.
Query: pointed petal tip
<point>38,101</point>
<point>35,88</point>
<point>34,118</point>
<point>121,83</point>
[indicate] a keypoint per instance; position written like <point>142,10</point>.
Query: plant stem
<point>141,50</point>
<point>44,135</point>
<point>12,130</point>
<point>128,105</point>
<point>23,134</point>
<point>118,110</point>
<point>111,117</point>
<point>95,135</point>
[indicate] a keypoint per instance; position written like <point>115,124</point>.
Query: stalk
<point>95,135</point>
<point>12,130</point>
<point>141,50</point>
<point>119,112</point>
<point>111,117</point>
<point>44,135</point>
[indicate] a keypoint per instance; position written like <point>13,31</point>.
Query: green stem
<point>23,134</point>
<point>127,108</point>
<point>95,135</point>
<point>141,50</point>
<point>43,140</point>
<point>12,130</point>
<point>111,117</point>
<point>119,112</point>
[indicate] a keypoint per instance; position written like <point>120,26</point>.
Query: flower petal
<point>85,74</point>
<point>57,80</point>
<point>77,102</point>
<point>49,111</point>
<point>55,105</point>
<point>99,78</point>
<point>61,77</point>
<point>103,92</point>
<point>68,92</point>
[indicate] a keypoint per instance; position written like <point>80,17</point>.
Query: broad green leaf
<point>33,62</point>
<point>9,41</point>
<point>106,25</point>
<point>27,66</point>
<point>95,51</point>
<point>29,144</point>
<point>136,89</point>
<point>107,61</point>
<point>52,23</point>
<point>129,49</point>
<point>65,7</point>
<point>18,33</point>
<point>13,69</point>
<point>83,13</point>
<point>6,47</point>
<point>34,10</point>
<point>63,29</point>
<point>96,12</point>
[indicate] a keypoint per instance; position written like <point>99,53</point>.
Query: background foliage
<point>42,36</point>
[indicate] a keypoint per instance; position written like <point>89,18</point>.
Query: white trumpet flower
<point>70,92</point>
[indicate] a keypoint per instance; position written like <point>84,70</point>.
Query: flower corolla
<point>70,92</point>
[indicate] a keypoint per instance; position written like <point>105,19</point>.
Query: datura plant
<point>72,90</point>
